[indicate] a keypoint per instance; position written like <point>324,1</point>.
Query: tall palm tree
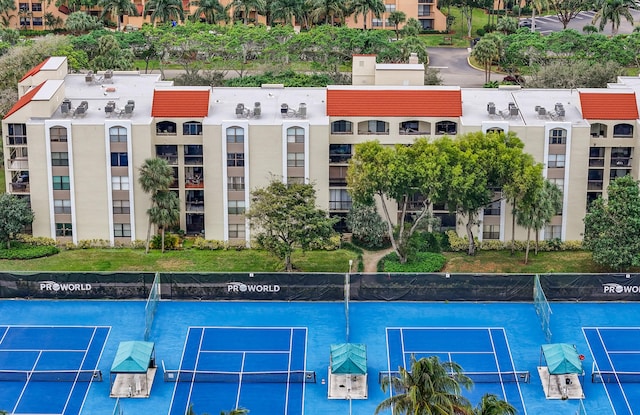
<point>431,387</point>
<point>487,51</point>
<point>245,7</point>
<point>7,7</point>
<point>118,8</point>
<point>155,176</point>
<point>396,18</point>
<point>287,10</point>
<point>164,10</point>
<point>165,211</point>
<point>491,405</point>
<point>328,10</point>
<point>212,11</point>
<point>613,11</point>
<point>364,7</point>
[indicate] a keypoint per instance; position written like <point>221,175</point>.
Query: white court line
<point>506,340</point>
<point>286,394</point>
<point>104,344</point>
<point>240,380</point>
<point>304,366</point>
<point>6,330</point>
<point>247,351</point>
<point>495,357</point>
<point>389,359</point>
<point>613,368</point>
<point>75,382</point>
<point>445,352</point>
<point>604,386</point>
<point>184,349</point>
<point>45,350</point>
<point>404,358</point>
<point>24,388</point>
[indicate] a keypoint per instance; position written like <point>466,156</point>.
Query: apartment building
<point>73,144</point>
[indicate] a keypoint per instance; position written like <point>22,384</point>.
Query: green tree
<point>613,11</point>
<point>364,7</point>
<point>111,56</point>
<point>79,22</point>
<point>412,28</point>
<point>490,405</point>
<point>285,217</point>
<point>7,7</point>
<point>566,10</point>
<point>486,52</point>
<point>164,10</point>
<point>328,10</point>
<point>507,25</point>
<point>15,214</point>
<point>536,211</point>
<point>245,7</point>
<point>612,226</point>
<point>156,175</point>
<point>428,388</point>
<point>117,8</point>
<point>211,10</point>
<point>52,21</point>
<point>366,225</point>
<point>396,18</point>
<point>286,10</point>
<point>398,175</point>
<point>164,211</point>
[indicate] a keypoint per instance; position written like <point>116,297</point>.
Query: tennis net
<point>295,376</point>
<point>476,377</point>
<point>51,376</point>
<point>543,309</point>
<point>151,306</point>
<point>612,376</point>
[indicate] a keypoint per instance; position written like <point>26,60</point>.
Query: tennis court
<point>48,370</point>
<point>260,368</point>
<point>616,353</point>
<point>483,353</point>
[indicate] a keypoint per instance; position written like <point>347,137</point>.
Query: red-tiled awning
<point>180,103</point>
<point>609,105</point>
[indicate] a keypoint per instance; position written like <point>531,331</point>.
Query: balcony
<point>339,158</point>
<point>594,185</point>
<point>169,158</point>
<point>340,205</point>
<point>194,183</point>
<point>20,187</point>
<point>18,163</point>
<point>195,206</point>
<point>620,161</point>
<point>596,162</point>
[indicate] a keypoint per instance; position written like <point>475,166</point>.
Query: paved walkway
<point>371,259</point>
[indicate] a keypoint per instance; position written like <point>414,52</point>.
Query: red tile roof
<point>394,102</point>
<point>609,105</point>
<point>34,70</point>
<point>180,103</point>
<point>26,98</point>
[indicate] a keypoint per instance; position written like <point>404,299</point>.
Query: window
<point>623,130</point>
<point>193,154</point>
<point>236,231</point>
<point>120,183</point>
<point>167,152</point>
<point>295,135</point>
<point>62,206</point>
<point>118,134</point>
<point>24,7</point>
<point>375,22</point>
<point>236,207</point>
<point>491,232</point>
<point>620,156</point>
<point>493,209</point>
<point>36,7</point>
<point>558,136</point>
<point>17,134</point>
<point>25,21</point>
<point>119,159</point>
<point>59,159</point>
<point>339,199</point>
<point>424,10</point>
<point>556,160</point>
<point>166,128</point>
<point>235,135</point>
<point>342,127</point>
<point>61,183</point>
<point>390,8</point>
<point>558,182</point>
<point>446,127</point>
<point>192,128</point>
<point>64,229</point>
<point>552,232</point>
<point>339,153</point>
<point>377,127</point>
<point>121,206</point>
<point>235,159</point>
<point>235,183</point>
<point>37,21</point>
<point>295,159</point>
<point>58,134</point>
<point>409,127</point>
<point>615,173</point>
<point>295,180</point>
<point>121,230</point>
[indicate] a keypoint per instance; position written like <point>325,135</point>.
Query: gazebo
<point>133,370</point>
<point>348,371</point>
<point>561,377</point>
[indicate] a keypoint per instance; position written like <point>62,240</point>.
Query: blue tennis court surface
<point>273,336</point>
<point>483,353</point>
<point>616,352</point>
<point>43,354</point>
<point>230,362</point>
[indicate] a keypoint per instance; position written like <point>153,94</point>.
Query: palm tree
<point>613,11</point>
<point>396,18</point>
<point>487,51</point>
<point>491,405</point>
<point>155,176</point>
<point>245,7</point>
<point>328,10</point>
<point>286,10</point>
<point>536,212</point>
<point>165,211</point>
<point>118,8</point>
<point>212,11</point>
<point>164,10</point>
<point>431,387</point>
<point>364,7</point>
<point>7,7</point>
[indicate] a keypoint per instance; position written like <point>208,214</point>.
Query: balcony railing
<point>620,162</point>
<point>341,205</point>
<point>169,158</point>
<point>195,206</point>
<point>20,187</point>
<point>411,131</point>
<point>339,158</point>
<point>596,162</point>
<point>594,185</point>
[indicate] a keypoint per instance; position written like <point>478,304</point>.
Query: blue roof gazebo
<point>129,372</point>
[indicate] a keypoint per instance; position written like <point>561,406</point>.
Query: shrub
<point>353,248</point>
<point>492,245</point>
<point>456,243</point>
<point>424,262</point>
<point>330,245</point>
<point>36,240</point>
<point>138,244</point>
<point>171,241</point>
<point>28,252</point>
<point>69,246</point>
<point>480,32</point>
<point>208,244</point>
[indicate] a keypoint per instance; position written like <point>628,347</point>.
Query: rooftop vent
<point>288,112</point>
<point>89,77</point>
<point>491,108</point>
<point>110,108</point>
<point>81,110</point>
<point>65,109</point>
<point>108,76</point>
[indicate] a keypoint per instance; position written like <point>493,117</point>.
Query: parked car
<point>514,79</point>
<point>525,23</point>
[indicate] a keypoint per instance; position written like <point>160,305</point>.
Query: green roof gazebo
<point>348,371</point>
<point>133,369</point>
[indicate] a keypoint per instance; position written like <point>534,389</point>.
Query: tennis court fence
<point>51,376</point>
<point>196,376</point>
<point>476,377</point>
<point>611,376</point>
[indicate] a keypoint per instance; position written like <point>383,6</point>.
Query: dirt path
<point>371,258</point>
